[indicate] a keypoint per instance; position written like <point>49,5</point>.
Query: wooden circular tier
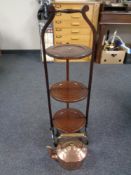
<point>69,91</point>
<point>68,51</point>
<point>69,120</point>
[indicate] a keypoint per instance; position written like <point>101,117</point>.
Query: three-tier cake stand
<point>68,120</point>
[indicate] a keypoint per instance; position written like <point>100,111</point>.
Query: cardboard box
<point>113,57</point>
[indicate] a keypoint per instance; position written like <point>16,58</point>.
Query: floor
<point>24,119</point>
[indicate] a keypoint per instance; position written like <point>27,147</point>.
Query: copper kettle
<point>70,154</point>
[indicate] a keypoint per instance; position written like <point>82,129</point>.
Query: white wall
<point>19,25</point>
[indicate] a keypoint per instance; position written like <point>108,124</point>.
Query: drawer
<point>73,39</point>
<point>61,6</point>
<point>70,24</point>
<point>74,31</point>
<point>85,59</point>
<point>85,43</point>
<point>81,42</point>
<point>64,16</point>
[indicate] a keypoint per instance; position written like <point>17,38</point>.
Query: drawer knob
<point>58,36</point>
<point>75,16</point>
<point>58,29</point>
<point>75,24</point>
<point>58,42</point>
<point>57,6</point>
<point>74,38</point>
<point>58,14</point>
<point>58,22</point>
<point>75,31</point>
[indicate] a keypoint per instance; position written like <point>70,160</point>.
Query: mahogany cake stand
<point>68,120</point>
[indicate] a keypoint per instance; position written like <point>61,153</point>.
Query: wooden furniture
<point>68,120</point>
<point>107,19</point>
<point>71,28</point>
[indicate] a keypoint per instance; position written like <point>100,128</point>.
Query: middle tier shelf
<point>69,91</point>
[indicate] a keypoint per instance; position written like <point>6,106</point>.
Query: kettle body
<point>70,154</point>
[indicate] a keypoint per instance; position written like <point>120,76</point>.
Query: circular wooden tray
<point>68,51</point>
<point>69,120</point>
<point>69,91</point>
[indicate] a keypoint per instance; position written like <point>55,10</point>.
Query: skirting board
<point>19,51</point>
<point>38,52</point>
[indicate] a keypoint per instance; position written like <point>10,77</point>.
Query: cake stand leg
<point>67,75</point>
<point>67,105</point>
<point>67,69</point>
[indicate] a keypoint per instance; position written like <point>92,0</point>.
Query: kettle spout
<point>52,153</point>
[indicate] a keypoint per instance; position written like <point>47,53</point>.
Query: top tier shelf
<point>68,51</point>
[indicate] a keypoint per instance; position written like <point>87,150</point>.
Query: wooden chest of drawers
<point>72,28</point>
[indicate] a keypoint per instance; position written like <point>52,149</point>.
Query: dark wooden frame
<point>52,12</point>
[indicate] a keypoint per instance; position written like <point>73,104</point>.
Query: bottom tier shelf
<point>69,120</point>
